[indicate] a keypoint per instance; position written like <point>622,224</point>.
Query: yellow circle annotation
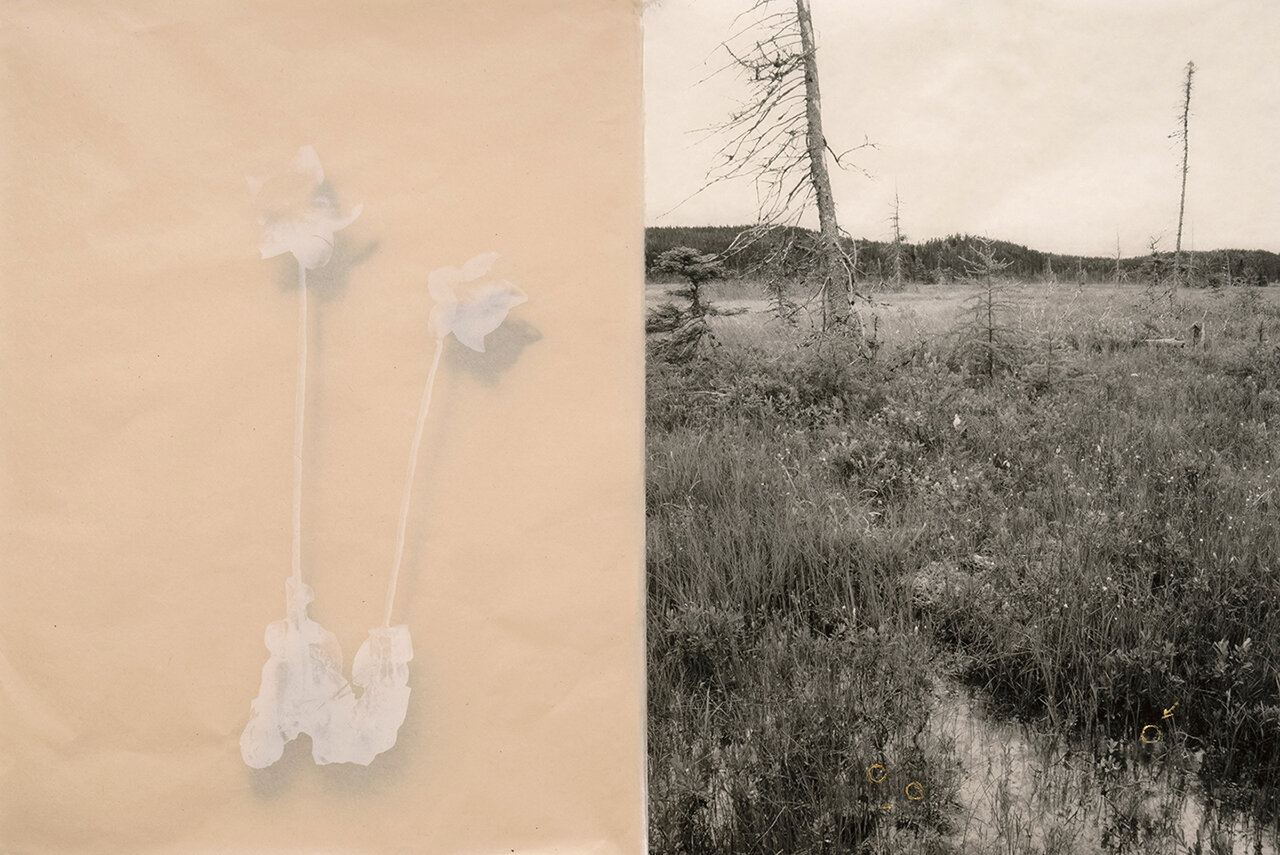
<point>872,778</point>
<point>919,791</point>
<point>1149,740</point>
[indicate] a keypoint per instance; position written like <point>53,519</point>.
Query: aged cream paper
<point>147,369</point>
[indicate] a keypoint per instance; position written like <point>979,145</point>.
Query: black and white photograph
<point>962,426</point>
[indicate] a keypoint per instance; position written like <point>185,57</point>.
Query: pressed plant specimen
<point>470,305</point>
<point>303,689</point>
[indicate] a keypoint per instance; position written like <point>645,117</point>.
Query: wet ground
<point>1022,791</point>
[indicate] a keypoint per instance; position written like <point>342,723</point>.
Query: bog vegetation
<point>1064,496</point>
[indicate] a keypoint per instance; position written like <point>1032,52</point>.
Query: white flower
<point>297,213</point>
<point>468,304</point>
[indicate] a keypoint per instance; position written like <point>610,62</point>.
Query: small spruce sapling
<point>685,327</point>
<point>988,342</point>
<point>695,268</point>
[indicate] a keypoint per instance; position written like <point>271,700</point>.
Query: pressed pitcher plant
<point>303,689</point>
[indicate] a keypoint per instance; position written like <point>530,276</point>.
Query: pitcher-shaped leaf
<point>362,728</point>
<point>302,674</point>
<point>303,691</point>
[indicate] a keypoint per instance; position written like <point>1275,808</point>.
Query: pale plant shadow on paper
<point>390,768</point>
<point>329,283</point>
<point>502,350</point>
<point>270,782</point>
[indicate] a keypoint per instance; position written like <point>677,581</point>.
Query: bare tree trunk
<point>1117,255</point>
<point>777,138</point>
<point>838,276</point>
<point>897,244</point>
<point>1182,201</point>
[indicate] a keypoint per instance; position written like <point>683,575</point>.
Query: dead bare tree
<point>897,242</point>
<point>1119,272</point>
<point>1181,135</point>
<point>776,138</point>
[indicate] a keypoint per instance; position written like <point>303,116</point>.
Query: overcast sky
<point>1044,122</point>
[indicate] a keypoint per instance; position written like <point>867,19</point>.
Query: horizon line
<point>743,227</point>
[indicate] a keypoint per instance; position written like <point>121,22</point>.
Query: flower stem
<point>408,480</point>
<point>299,412</point>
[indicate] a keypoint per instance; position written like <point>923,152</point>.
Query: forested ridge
<point>943,259</point>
